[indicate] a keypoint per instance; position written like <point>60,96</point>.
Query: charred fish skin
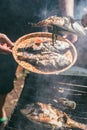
<point>50,21</point>
<point>38,54</point>
<point>59,46</point>
<point>56,61</point>
<point>46,113</point>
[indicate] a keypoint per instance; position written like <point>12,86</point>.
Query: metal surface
<point>75,71</point>
<point>47,89</point>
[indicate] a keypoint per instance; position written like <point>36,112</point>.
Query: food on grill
<point>41,53</point>
<point>48,115</point>
<point>67,103</point>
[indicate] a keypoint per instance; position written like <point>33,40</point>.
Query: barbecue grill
<point>48,88</point>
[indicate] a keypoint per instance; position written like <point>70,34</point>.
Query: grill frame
<point>38,88</point>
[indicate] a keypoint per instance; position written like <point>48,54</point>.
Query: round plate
<point>23,41</point>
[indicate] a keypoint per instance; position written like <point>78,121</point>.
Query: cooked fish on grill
<point>49,115</point>
<point>67,103</point>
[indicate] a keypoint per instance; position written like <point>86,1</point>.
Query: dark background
<point>15,15</point>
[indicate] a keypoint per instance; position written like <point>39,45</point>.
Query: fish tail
<point>74,124</point>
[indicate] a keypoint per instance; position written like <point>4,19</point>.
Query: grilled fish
<point>68,103</point>
<point>48,115</point>
<point>62,25</point>
<point>38,54</point>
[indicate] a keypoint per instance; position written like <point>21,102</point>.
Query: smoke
<point>80,8</point>
<point>81,45</point>
<point>43,8</point>
<point>49,9</point>
<point>28,9</point>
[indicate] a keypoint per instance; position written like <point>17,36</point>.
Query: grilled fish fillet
<point>45,113</point>
<point>62,24</point>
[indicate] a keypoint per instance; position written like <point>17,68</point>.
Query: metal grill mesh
<point>45,88</point>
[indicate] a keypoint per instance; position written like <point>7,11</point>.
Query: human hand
<point>84,20</point>
<point>71,38</point>
<point>5,44</point>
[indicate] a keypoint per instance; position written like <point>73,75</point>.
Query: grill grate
<point>46,89</point>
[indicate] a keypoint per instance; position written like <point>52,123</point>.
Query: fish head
<point>31,110</point>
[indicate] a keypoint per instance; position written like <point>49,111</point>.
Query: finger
<point>84,20</point>
<point>6,39</point>
<point>64,36</point>
<point>5,49</point>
